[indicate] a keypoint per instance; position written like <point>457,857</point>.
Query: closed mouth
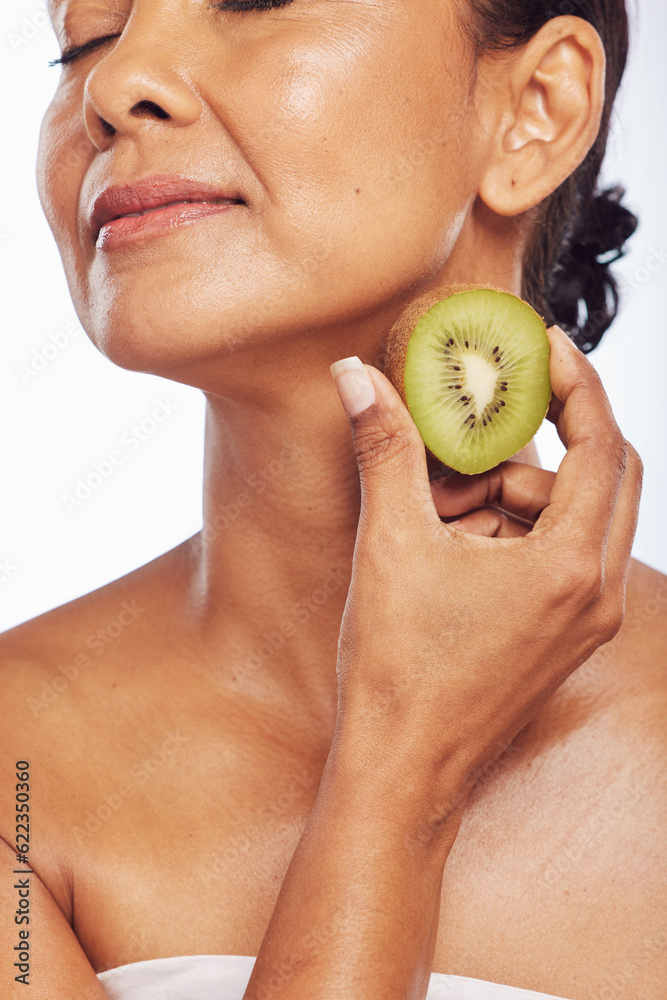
<point>181,201</point>
<point>149,195</point>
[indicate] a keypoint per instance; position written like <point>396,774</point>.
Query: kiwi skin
<point>397,347</point>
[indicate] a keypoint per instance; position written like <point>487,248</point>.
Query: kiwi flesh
<point>471,363</point>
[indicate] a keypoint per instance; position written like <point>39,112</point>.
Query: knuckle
<point>484,521</point>
<point>591,583</point>
<point>375,445</point>
<point>585,378</point>
<point>612,614</point>
<point>494,486</point>
<point>490,522</point>
<point>614,448</point>
<point>635,464</point>
<point>538,494</point>
<point>584,578</point>
<point>601,598</point>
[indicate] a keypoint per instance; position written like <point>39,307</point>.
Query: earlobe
<point>554,97</point>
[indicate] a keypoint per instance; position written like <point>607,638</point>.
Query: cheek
<point>63,157</point>
<point>359,142</point>
<point>355,153</point>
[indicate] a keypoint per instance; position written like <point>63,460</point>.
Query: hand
<point>502,503</point>
<point>451,641</point>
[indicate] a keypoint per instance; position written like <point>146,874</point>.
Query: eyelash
<point>242,5</point>
<point>231,6</point>
<point>79,50</point>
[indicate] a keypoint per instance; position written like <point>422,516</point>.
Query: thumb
<point>389,448</point>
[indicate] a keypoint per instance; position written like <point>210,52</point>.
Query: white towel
<point>225,977</point>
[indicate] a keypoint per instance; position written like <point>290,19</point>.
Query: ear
<point>541,109</point>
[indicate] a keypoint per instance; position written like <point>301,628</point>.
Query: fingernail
<point>562,333</point>
<point>354,385</point>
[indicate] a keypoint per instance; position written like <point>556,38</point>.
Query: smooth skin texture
<point>190,755</point>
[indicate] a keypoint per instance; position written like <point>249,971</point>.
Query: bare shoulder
<point>65,677</point>
<point>629,674</point>
<point>644,631</point>
<point>42,658</point>
<point>45,657</point>
<point>609,858</point>
<point>50,662</point>
<point>563,839</point>
<point>611,862</point>
<point>616,703</point>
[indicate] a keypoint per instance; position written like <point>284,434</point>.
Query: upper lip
<point>151,192</point>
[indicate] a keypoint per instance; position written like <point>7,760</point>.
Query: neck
<point>273,559</point>
<point>272,563</point>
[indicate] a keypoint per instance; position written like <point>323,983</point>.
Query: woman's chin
<point>159,341</point>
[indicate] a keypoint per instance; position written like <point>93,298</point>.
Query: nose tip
<point>129,89</point>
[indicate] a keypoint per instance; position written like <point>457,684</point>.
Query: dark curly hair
<point>579,231</point>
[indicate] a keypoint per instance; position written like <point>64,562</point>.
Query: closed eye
<point>243,5</point>
<point>81,50</point>
<point>232,6</point>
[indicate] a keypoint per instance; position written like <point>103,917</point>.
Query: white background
<point>59,421</point>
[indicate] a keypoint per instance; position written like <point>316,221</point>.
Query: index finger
<point>588,481</point>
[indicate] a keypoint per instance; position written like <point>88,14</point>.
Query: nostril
<point>150,107</point>
<point>107,127</point>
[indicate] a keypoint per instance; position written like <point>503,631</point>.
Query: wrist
<point>395,788</point>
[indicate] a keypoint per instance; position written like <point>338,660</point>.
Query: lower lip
<point>158,222</point>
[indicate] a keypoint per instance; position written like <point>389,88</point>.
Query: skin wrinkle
<point>72,22</point>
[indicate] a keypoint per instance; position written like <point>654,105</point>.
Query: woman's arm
<point>56,966</point>
<point>357,915</point>
<point>450,643</point>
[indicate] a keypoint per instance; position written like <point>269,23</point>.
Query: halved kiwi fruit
<point>471,363</point>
